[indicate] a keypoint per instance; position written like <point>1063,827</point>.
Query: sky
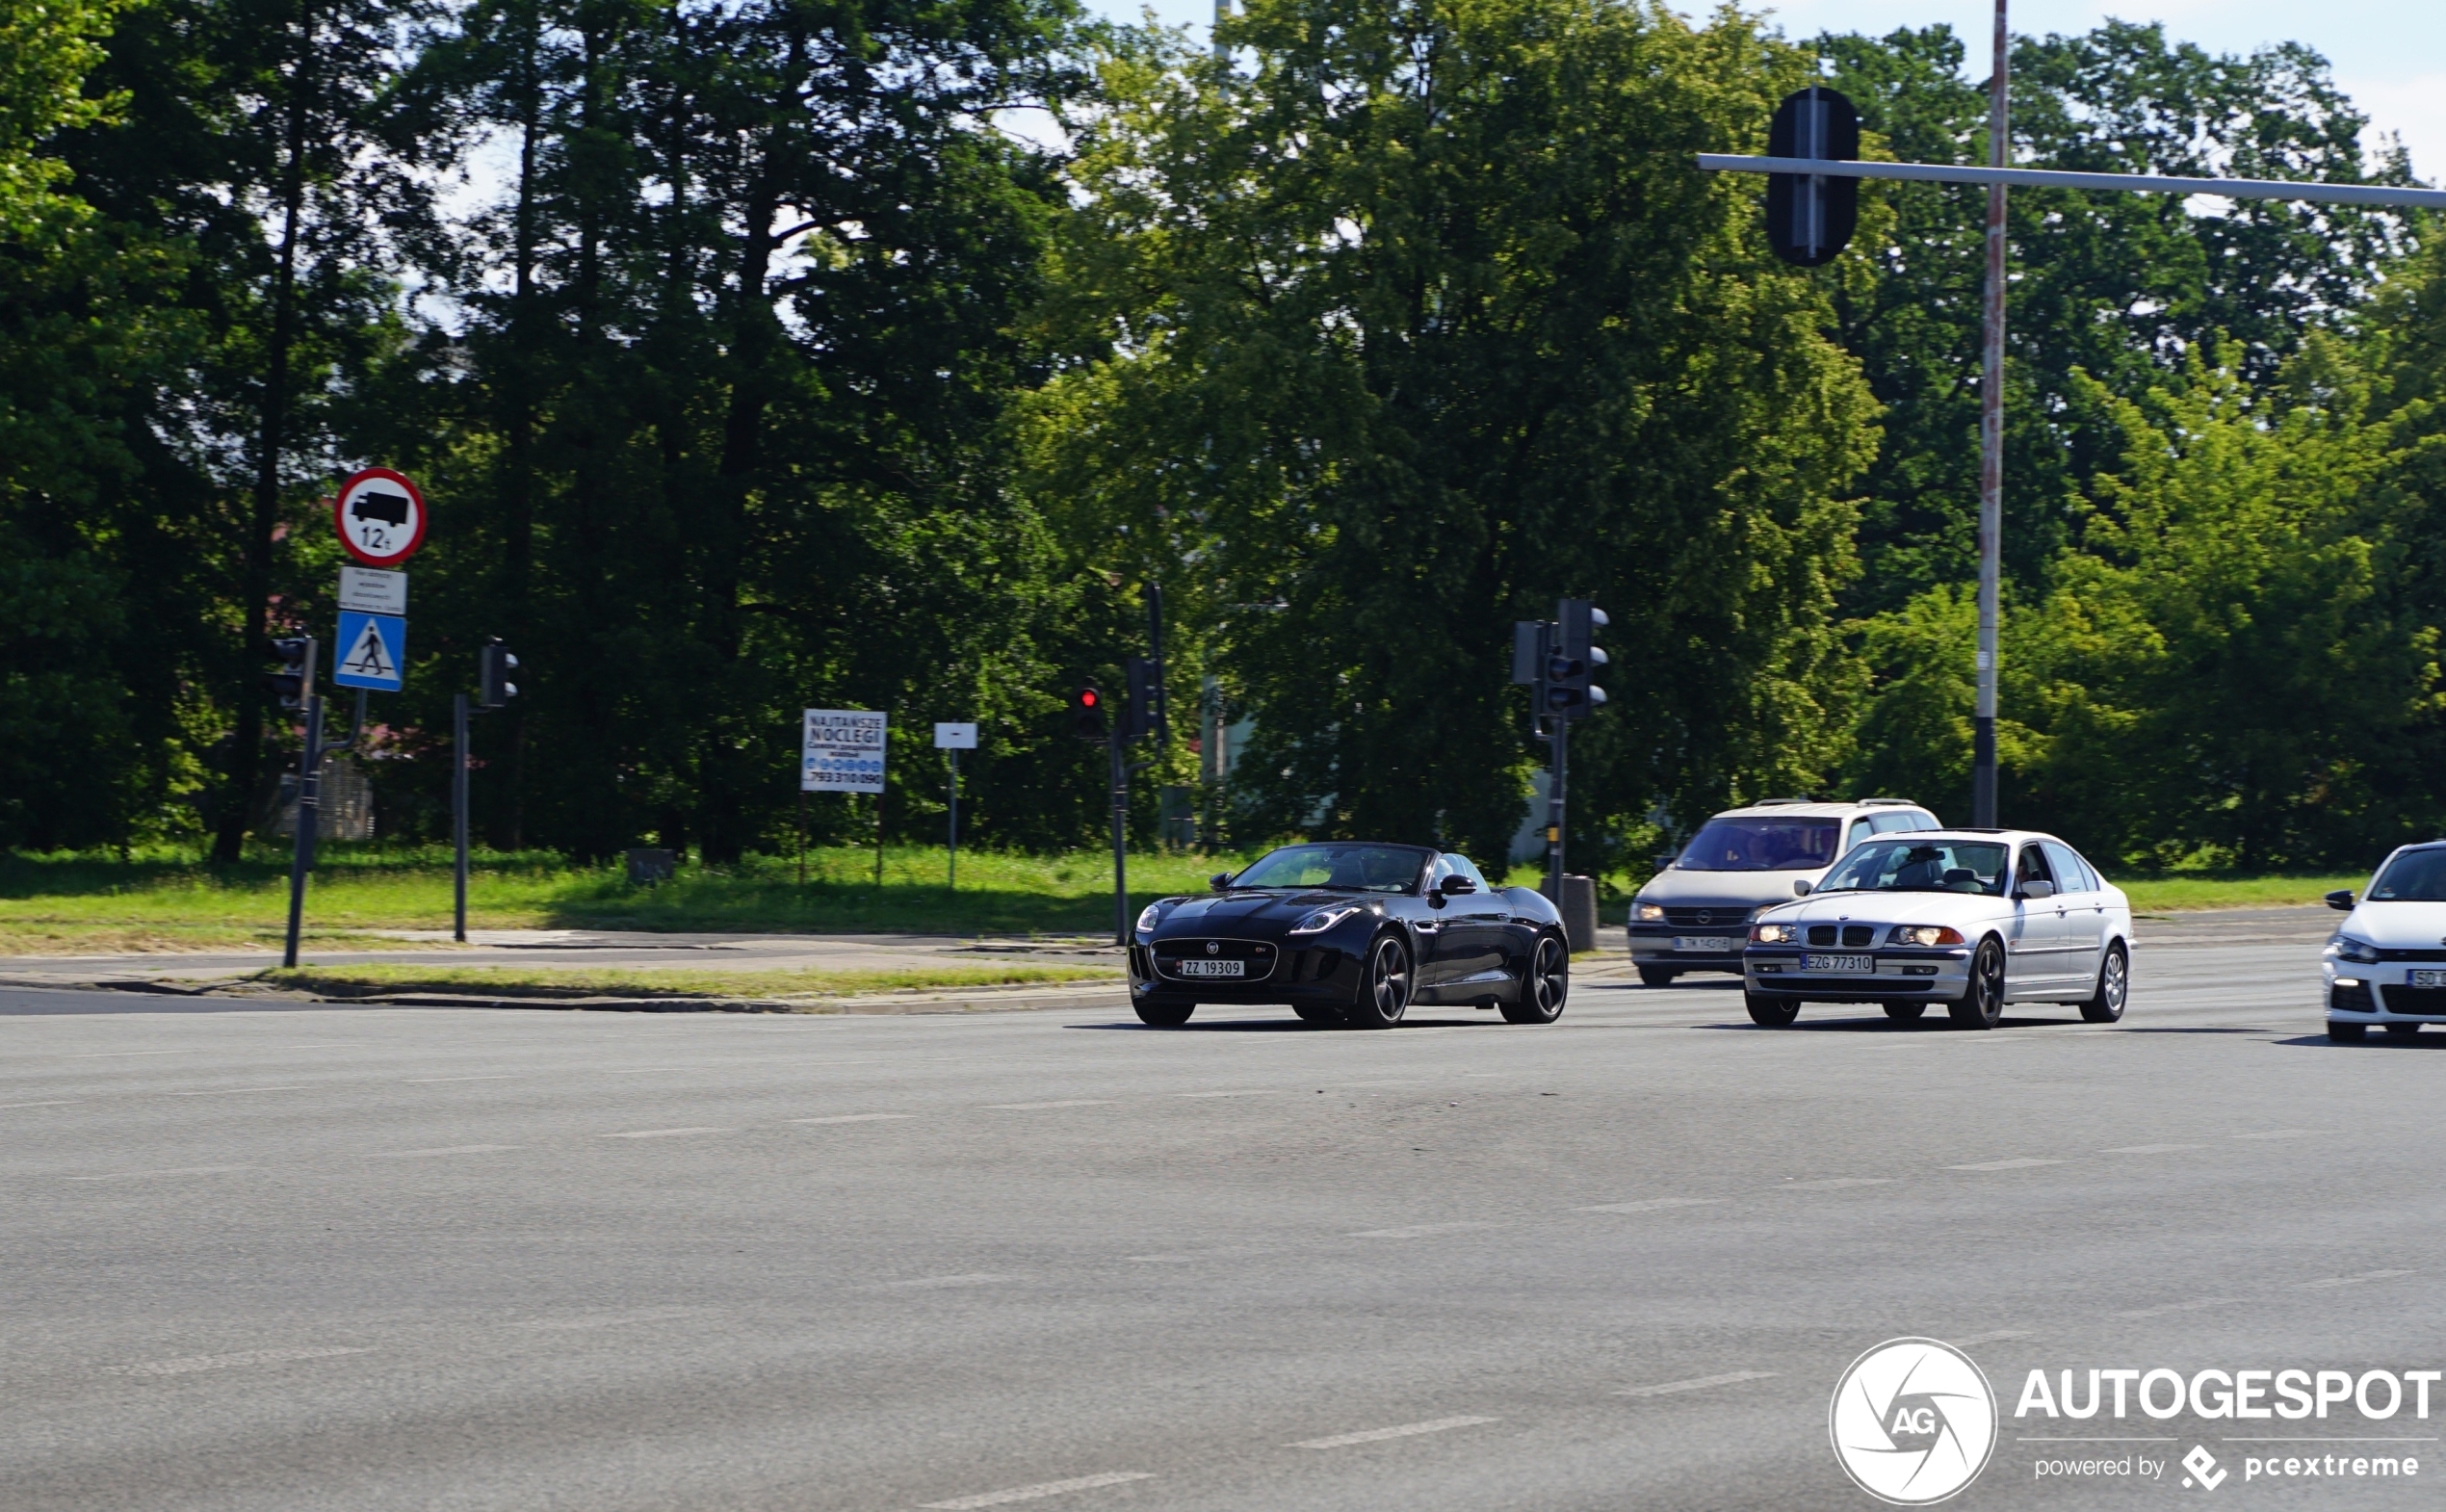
<point>2389,55</point>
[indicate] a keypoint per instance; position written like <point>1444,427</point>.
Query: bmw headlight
<point>1652,913</point>
<point>1926,934</point>
<point>1147,917</point>
<point>2349,949</point>
<point>1324,919</point>
<point>1773,933</point>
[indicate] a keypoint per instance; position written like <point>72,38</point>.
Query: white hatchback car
<point>1971,918</point>
<point>2386,963</point>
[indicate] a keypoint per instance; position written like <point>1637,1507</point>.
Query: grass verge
<point>2179,894</point>
<point>771,986</point>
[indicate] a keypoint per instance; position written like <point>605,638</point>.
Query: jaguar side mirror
<point>2036,889</point>
<point>1220,882</point>
<point>1458,884</point>
<point>2341,900</point>
<point>1800,890</point>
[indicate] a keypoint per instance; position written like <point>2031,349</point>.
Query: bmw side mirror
<point>2036,889</point>
<point>1220,882</point>
<point>1800,888</point>
<point>2341,900</point>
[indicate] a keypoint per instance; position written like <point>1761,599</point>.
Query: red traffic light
<point>1087,715</point>
<point>1087,699</point>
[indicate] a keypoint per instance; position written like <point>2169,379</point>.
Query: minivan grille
<point>1703,918</point>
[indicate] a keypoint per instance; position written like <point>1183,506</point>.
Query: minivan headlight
<point>1926,934</point>
<point>1324,919</point>
<point>1773,934</point>
<point>2349,949</point>
<point>1650,913</point>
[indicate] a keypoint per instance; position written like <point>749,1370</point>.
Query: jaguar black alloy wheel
<point>1982,1000</point>
<point>1164,1012</point>
<point>1548,984</point>
<point>1383,987</point>
<point>1316,1013</point>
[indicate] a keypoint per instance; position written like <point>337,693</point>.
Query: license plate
<point>1862,965</point>
<point>2426,979</point>
<point>1194,968</point>
<point>1706,941</point>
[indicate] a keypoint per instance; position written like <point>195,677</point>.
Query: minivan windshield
<point>1361,868</point>
<point>2416,877</point>
<point>1762,845</point>
<point>1920,866</point>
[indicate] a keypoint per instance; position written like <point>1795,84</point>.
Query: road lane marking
<point>222,1362</point>
<point>505,1076</point>
<point>1379,1435</point>
<point>1698,1383</point>
<point>449,1149</point>
<point>2282,1133</point>
<point>232,1091</point>
<point>1994,1336</point>
<point>2022,1162</point>
<point>1048,1488</point>
<point>663,1134</point>
<point>2349,1281</point>
<point>1836,1183</point>
<point>177,1170</point>
<point>97,1055</point>
<point>2180,1307</point>
<point>2152,1149</point>
<point>1263,1091</point>
<point>942,1283</point>
<point>1653,1205</point>
<point>67,1103</point>
<point>1416,1231</point>
<point>851,1118</point>
<point>651,1315</point>
<point>1067,1102</point>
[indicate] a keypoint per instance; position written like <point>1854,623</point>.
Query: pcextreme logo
<point>1912,1421</point>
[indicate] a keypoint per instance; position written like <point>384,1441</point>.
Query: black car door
<point>1472,932</point>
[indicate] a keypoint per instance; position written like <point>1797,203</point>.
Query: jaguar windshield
<point>1762,845</point>
<point>1920,866</point>
<point>1359,868</point>
<point>2416,877</point>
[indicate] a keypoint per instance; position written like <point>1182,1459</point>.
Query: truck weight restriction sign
<point>381,516</point>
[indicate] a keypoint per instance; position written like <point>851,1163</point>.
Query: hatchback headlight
<point>1650,913</point>
<point>2349,949</point>
<point>1324,919</point>
<point>1773,933</point>
<point>1147,917</point>
<point>1926,934</point>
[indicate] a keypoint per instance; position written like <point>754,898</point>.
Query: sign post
<point>951,740</point>
<point>842,751</point>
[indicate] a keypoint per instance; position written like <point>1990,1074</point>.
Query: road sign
<point>840,750</point>
<point>370,592</point>
<point>1809,216</point>
<point>380,517</point>
<point>373,651</point>
<point>955,737</point>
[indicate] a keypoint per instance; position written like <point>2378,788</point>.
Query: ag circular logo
<point>1914,1421</point>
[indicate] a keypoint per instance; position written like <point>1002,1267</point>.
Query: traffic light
<point>1087,715</point>
<point>295,681</point>
<point>1138,720</point>
<point>1810,218</point>
<point>494,664</point>
<point>1568,691</point>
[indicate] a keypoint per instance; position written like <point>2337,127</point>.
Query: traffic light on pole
<point>295,681</point>
<point>1087,715</point>
<point>1569,691</point>
<point>1809,216</point>
<point>1137,720</point>
<point>494,664</point>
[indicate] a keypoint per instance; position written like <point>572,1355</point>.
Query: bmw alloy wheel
<point>2114,983</point>
<point>1982,1000</point>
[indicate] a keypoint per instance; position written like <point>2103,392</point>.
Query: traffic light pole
<point>1120,842</point>
<point>458,816</point>
<point>1982,724</point>
<point>1554,804</point>
<point>309,821</point>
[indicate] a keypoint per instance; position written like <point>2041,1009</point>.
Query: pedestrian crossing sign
<point>373,651</point>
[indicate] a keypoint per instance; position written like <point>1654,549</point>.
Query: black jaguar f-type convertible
<point>1352,933</point>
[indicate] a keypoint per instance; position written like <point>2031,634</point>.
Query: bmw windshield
<point>2416,877</point>
<point>1352,866</point>
<point>1919,866</point>
<point>1762,845</point>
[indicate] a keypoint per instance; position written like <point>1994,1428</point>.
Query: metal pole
<point>956,819</point>
<point>1120,838</point>
<point>301,853</point>
<point>1983,754</point>
<point>1562,739</point>
<point>458,816</point>
<point>802,837</point>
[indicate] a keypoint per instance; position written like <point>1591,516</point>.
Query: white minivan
<point>1694,915</point>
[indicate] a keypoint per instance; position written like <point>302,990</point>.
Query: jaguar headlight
<point>1147,915</point>
<point>2349,949</point>
<point>1324,919</point>
<point>1652,913</point>
<point>1773,933</point>
<point>1926,934</point>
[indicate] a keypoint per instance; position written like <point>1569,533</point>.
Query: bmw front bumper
<point>1900,973</point>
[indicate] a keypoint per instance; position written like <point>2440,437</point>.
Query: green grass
<point>2179,892</point>
<point>168,902</point>
<point>781,986</point>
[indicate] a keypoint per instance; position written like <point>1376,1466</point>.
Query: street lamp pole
<point>1983,752</point>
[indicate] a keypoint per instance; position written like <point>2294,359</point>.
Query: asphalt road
<point>316,1258</point>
